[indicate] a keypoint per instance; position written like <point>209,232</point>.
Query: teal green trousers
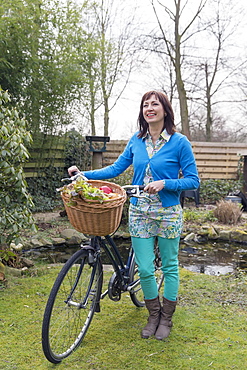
<point>144,256</point>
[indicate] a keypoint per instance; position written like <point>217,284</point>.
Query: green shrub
<point>7,257</point>
<point>43,189</point>
<point>191,215</point>
<point>15,201</point>
<point>212,191</point>
<point>77,151</point>
<point>209,216</point>
<point>198,216</point>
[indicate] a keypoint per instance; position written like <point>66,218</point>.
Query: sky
<point>123,117</point>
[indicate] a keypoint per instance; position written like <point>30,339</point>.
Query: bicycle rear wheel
<point>136,293</point>
<point>71,305</point>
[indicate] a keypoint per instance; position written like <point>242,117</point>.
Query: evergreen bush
<point>15,201</point>
<point>212,191</point>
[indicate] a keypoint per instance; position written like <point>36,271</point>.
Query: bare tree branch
<point>199,10</point>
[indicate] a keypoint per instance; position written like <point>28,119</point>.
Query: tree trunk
<point>106,117</point>
<point>183,105</point>
<point>179,81</point>
<point>209,121</point>
<point>92,113</point>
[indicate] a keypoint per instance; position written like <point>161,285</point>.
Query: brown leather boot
<point>153,306</point>
<point>165,324</point>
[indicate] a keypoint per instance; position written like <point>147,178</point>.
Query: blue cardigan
<point>166,164</point>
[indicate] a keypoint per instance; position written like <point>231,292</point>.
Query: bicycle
<point>77,291</point>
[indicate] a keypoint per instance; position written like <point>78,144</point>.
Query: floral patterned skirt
<point>148,219</point>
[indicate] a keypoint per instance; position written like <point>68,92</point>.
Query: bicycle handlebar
<point>136,191</point>
<point>74,176</point>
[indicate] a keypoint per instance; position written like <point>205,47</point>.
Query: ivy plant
<point>15,201</point>
<point>77,151</point>
<point>211,191</point>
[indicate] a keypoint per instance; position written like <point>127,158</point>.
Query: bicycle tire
<point>136,294</point>
<point>73,300</point>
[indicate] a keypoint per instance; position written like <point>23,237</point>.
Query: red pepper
<point>106,189</point>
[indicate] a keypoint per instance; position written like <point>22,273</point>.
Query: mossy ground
<point>209,327</point>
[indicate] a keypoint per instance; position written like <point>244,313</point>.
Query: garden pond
<point>211,258</point>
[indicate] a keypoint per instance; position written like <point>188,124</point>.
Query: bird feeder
<point>97,145</point>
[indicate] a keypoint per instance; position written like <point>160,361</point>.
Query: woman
<point>158,154</point>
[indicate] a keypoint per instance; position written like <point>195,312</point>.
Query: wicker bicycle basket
<point>92,217</point>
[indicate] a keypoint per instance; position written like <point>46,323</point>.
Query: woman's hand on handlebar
<point>154,187</point>
<point>73,170</point>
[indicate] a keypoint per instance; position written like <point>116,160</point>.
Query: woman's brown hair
<point>169,124</point>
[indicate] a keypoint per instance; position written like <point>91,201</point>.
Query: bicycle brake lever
<point>141,195</point>
<point>135,191</point>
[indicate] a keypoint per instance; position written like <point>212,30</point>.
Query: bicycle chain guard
<point>114,289</point>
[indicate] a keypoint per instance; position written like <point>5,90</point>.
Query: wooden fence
<point>45,154</point>
<point>214,160</point>
<point>218,160</point>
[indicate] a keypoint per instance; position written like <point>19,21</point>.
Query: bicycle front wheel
<point>71,306</point>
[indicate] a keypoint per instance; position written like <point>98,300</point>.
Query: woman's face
<point>153,111</point>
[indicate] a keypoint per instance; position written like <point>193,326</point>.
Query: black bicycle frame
<point>114,256</point>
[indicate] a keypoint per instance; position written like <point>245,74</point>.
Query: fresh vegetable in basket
<point>106,189</point>
<point>83,189</point>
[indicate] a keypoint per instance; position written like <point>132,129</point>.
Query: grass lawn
<point>209,327</point>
